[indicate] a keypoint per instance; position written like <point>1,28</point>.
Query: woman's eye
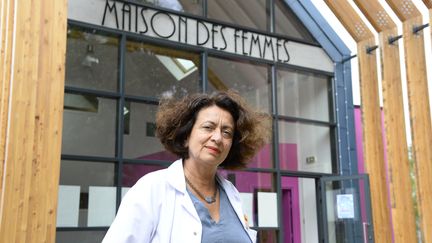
<point>227,133</point>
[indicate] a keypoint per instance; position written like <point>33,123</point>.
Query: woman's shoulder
<point>152,179</point>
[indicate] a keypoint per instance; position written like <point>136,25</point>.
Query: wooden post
<point>418,97</point>
<point>371,115</point>
<point>33,47</point>
<point>402,208</point>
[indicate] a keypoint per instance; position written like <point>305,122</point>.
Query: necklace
<point>209,199</point>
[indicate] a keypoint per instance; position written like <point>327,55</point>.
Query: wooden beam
<point>376,14</point>
<point>420,115</point>
<point>404,9</point>
<point>350,20</point>
<point>428,4</point>
<point>372,141</point>
<point>33,62</point>
<point>402,207</point>
<point>371,116</point>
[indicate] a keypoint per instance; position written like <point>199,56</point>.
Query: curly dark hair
<point>175,119</point>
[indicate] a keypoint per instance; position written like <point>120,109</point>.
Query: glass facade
<point>113,84</point>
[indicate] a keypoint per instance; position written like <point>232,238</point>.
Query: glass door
<point>346,209</point>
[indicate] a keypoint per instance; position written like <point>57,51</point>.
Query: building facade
<point>280,55</point>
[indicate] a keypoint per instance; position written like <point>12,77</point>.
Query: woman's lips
<point>213,149</point>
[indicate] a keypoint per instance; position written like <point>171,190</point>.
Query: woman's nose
<point>216,136</point>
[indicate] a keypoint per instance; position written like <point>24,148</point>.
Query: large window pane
<point>299,213</point>
<point>188,6</point>
<point>153,71</point>
<point>303,95</point>
<point>263,159</point>
<point>287,23</point>
<point>133,172</point>
<point>94,182</point>
<point>91,60</point>
<point>304,147</point>
<point>140,141</point>
<point>245,13</point>
<point>250,80</point>
<point>89,125</point>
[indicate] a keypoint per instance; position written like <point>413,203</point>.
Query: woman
<point>189,201</point>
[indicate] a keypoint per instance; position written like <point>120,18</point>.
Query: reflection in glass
<point>305,147</point>
<point>287,23</point>
<point>154,71</point>
<point>188,6</point>
<point>85,175</point>
<point>250,80</point>
<point>300,221</point>
<point>303,95</point>
<point>90,133</point>
<point>91,60</point>
<point>246,13</point>
<point>133,172</point>
<point>79,102</point>
<point>263,159</point>
<point>141,142</point>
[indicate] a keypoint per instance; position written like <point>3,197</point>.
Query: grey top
<point>229,228</point>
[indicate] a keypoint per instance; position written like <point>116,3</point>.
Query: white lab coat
<point>158,209</point>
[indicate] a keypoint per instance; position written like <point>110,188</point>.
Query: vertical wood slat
<point>403,216</point>
<point>32,157</point>
<point>420,120</point>
<point>402,207</point>
<point>371,115</point>
<point>420,116</point>
<point>372,141</point>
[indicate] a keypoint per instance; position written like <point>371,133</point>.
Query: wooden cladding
<point>372,141</point>
<point>420,119</point>
<point>400,185</point>
<point>376,14</point>
<point>33,47</point>
<point>402,208</point>
<point>350,19</point>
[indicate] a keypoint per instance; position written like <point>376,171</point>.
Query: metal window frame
<point>121,97</point>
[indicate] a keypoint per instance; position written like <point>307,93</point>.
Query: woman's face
<point>211,137</point>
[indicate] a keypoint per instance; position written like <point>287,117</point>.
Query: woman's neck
<point>200,174</point>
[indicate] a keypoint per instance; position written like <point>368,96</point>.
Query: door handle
<point>365,234</point>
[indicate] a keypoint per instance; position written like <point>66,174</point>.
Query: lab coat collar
<point>176,179</point>
<point>176,176</point>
